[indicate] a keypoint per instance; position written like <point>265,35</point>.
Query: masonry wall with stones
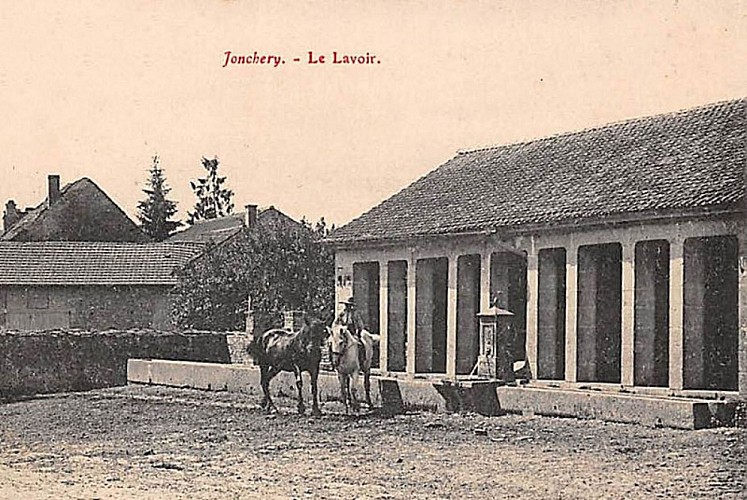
<point>85,307</point>
<point>62,361</point>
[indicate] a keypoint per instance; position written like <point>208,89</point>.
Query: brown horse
<point>279,350</point>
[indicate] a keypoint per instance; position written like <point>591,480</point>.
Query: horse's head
<point>318,331</point>
<point>312,334</point>
<point>338,342</point>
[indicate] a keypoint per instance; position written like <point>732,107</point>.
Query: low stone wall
<point>395,395</point>
<point>62,361</point>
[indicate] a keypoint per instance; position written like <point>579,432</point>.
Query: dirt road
<point>147,442</point>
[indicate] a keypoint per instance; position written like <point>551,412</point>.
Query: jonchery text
<point>231,58</point>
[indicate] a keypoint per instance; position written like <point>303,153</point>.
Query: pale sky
<point>95,89</point>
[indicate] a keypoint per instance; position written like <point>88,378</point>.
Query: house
<point>621,251</point>
<point>80,211</point>
<point>89,285</point>
<point>220,229</point>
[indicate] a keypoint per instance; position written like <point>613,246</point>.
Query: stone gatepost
<point>238,342</point>
<point>293,320</point>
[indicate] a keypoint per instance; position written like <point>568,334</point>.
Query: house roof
<point>211,230</point>
<point>92,263</point>
<point>691,159</point>
<point>220,229</point>
<point>83,195</point>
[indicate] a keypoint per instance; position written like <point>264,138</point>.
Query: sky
<point>96,88</point>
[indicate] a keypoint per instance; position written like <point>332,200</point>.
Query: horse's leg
<point>354,391</point>
<point>263,370</point>
<point>367,386</point>
<point>344,390</point>
<point>269,375</point>
<point>299,385</point>
<point>314,373</point>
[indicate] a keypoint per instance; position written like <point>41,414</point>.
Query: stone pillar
<point>411,319</point>
<point>451,318</point>
<point>384,316</point>
<point>293,320</point>
<point>532,310</point>
<point>484,280</point>
<point>571,301</point>
<point>676,312</point>
<point>397,316</point>
<point>742,342</point>
<point>627,366</point>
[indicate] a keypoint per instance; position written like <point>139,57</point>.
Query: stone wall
<point>91,308</point>
<point>62,361</point>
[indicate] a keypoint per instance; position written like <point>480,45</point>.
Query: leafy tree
<point>213,199</point>
<point>155,211</point>
<point>280,270</point>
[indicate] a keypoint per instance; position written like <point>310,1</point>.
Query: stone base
<point>680,413</point>
<point>396,395</point>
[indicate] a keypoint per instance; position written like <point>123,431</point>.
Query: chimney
<point>250,216</point>
<point>53,181</point>
<point>11,215</point>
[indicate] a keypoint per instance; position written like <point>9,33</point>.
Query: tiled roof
<point>84,191</point>
<point>92,263</point>
<point>215,230</point>
<point>222,228</point>
<point>685,160</point>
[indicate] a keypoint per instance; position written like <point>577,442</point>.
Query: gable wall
<point>85,307</point>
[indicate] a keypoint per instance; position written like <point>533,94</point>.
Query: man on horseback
<point>353,320</point>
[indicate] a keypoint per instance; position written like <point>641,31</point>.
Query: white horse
<point>344,355</point>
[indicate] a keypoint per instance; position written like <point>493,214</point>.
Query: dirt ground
<point>150,442</point>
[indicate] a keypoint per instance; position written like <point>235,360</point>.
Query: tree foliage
<point>280,270</point>
<point>155,211</point>
<point>213,199</point>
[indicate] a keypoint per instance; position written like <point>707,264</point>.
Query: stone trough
<point>486,397</point>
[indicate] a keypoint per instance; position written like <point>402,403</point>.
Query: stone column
<point>676,312</point>
<point>384,316</point>
<point>532,310</point>
<point>742,342</point>
<point>571,299</point>
<point>451,318</point>
<point>411,320</point>
<point>484,280</point>
<point>627,367</point>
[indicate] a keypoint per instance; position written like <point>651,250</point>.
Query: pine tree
<point>155,211</point>
<point>213,200</point>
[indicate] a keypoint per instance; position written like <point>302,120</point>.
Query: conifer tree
<point>155,211</point>
<point>213,200</point>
